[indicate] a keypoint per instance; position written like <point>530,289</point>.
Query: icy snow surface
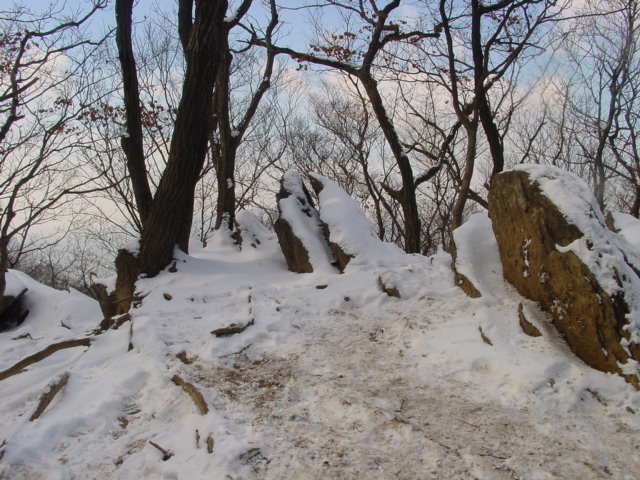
<point>340,381</point>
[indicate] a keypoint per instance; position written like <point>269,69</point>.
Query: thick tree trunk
<point>132,141</point>
<point>169,222</point>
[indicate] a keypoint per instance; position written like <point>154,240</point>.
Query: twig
<point>64,325</point>
<point>232,329</point>
<point>485,339</point>
<point>197,438</point>
<point>194,393</point>
<point>49,395</point>
<point>2,448</point>
<point>239,352</point>
<point>24,335</point>
<point>210,444</point>
<point>166,454</point>
<point>41,355</point>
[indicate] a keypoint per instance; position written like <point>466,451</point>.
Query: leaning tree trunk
<point>465,187</point>
<point>169,222</point>
<point>407,196</point>
<point>479,73</point>
<point>132,142</point>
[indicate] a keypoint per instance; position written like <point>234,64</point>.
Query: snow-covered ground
<point>333,380</point>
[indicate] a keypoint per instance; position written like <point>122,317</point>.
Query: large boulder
<point>556,249</point>
<point>301,233</point>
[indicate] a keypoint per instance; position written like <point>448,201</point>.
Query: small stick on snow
<point>232,329</point>
<point>130,347</point>
<point>197,438</point>
<point>194,393</point>
<point>2,448</point>
<point>49,395</point>
<point>485,339</point>
<point>239,352</point>
<point>210,443</point>
<point>166,454</point>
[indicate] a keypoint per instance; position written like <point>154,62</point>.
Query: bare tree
<point>602,95</point>
<point>45,83</point>
<point>340,52</point>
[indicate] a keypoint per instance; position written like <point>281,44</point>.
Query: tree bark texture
<point>169,222</point>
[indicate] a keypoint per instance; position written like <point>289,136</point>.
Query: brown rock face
<point>531,231</point>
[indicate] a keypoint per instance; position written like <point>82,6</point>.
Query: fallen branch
<point>41,355</point>
<point>194,393</point>
<point>166,454</point>
<point>49,395</point>
<point>232,329</point>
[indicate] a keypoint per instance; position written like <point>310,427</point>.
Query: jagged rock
<point>12,311</point>
<point>301,233</point>
<point>556,249</point>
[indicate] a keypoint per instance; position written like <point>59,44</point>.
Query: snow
<point>352,230</point>
<point>341,381</point>
<point>599,248</point>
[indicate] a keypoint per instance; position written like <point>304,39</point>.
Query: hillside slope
<point>333,379</point>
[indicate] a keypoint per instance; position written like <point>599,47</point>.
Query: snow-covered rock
<point>301,233</point>
<point>352,237</point>
<point>556,249</point>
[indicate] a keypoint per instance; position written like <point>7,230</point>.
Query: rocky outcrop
<point>556,249</point>
<point>301,233</point>
<point>12,310</point>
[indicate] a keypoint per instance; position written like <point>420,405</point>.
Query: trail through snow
<point>334,380</point>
